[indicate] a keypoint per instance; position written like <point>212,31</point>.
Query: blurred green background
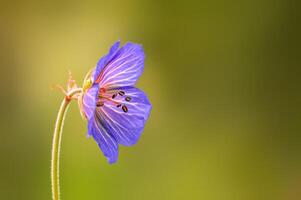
<point>223,78</point>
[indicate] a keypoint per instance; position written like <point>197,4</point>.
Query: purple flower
<point>116,111</point>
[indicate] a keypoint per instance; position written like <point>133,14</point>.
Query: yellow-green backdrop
<point>223,78</point>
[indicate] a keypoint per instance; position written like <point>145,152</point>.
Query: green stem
<point>56,143</point>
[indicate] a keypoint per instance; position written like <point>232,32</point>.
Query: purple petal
<point>126,125</point>
<point>105,141</point>
<point>89,101</point>
<point>124,69</point>
<point>106,59</point>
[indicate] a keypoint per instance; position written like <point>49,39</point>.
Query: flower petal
<point>105,141</point>
<point>106,59</point>
<point>126,121</point>
<point>124,69</point>
<point>89,101</point>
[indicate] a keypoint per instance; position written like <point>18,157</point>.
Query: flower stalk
<point>56,143</point>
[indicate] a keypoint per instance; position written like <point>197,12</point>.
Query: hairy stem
<point>56,143</point>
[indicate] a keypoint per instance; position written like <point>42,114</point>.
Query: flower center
<point>118,99</point>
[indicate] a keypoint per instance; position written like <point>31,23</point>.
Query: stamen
<point>121,93</point>
<point>128,98</point>
<point>110,100</point>
<point>125,109</point>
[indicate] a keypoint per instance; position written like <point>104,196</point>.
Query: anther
<point>114,95</point>
<point>128,98</point>
<point>121,93</point>
<point>118,105</point>
<point>125,109</point>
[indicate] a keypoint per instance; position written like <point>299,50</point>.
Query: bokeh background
<point>223,78</point>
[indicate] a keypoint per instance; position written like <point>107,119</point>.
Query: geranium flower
<point>116,111</point>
